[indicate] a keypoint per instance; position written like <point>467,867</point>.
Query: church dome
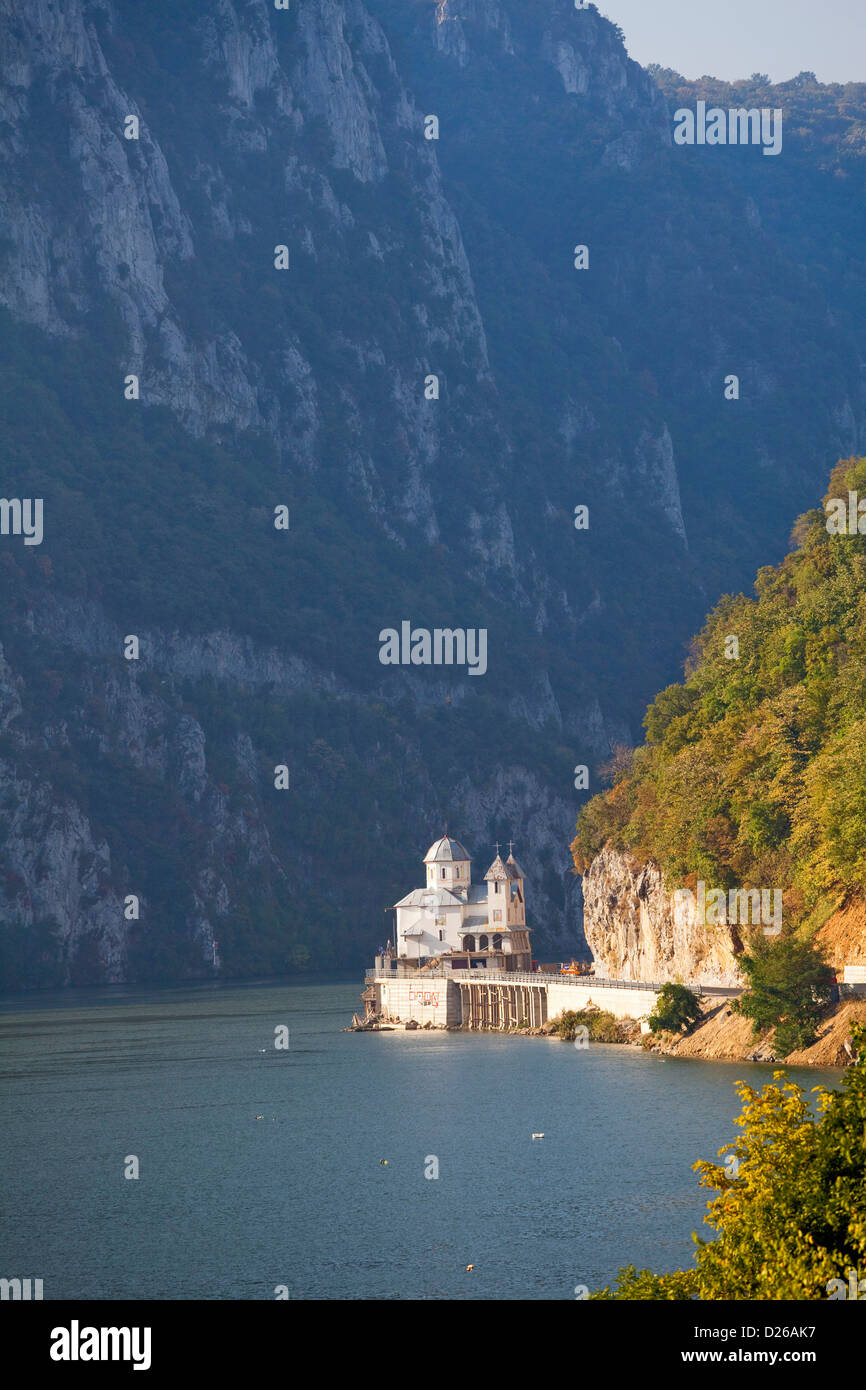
<point>446,851</point>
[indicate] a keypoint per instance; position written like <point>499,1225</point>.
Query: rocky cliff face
<point>549,93</point>
<point>588,56</point>
<point>431,387</point>
<point>107,216</point>
<point>197,839</point>
<point>254,129</point>
<point>637,930</point>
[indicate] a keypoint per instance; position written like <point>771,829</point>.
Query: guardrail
<point>523,977</point>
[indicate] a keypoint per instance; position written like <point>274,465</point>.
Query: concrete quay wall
<point>622,1003</point>
<point>423,999</point>
<point>440,1000</point>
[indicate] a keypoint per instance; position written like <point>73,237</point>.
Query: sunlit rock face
<point>637,929</point>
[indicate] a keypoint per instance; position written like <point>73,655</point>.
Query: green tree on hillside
<point>677,1010</point>
<point>790,984</point>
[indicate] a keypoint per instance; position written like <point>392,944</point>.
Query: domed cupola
<point>447,864</point>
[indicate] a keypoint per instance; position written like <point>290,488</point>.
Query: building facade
<point>464,925</point>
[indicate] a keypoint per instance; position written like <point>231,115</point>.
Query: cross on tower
<point>497,849</point>
<point>510,846</point>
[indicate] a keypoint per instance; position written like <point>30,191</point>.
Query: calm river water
<point>228,1206</point>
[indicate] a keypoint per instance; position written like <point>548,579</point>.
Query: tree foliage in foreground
<point>789,1210</point>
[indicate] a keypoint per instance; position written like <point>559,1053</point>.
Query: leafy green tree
<point>790,985</point>
<point>677,1009</point>
<point>790,1206</point>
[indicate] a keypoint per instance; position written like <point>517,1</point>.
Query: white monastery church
<point>467,925</point>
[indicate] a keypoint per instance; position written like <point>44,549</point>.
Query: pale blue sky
<point>733,38</point>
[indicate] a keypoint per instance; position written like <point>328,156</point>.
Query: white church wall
<point>448,875</point>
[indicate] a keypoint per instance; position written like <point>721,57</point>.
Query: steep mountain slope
<point>309,388</point>
<point>753,774</point>
<point>704,262</point>
<point>156,257</point>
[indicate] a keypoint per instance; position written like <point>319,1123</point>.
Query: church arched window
<point>469,943</point>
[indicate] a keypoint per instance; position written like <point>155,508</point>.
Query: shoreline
<point>720,1036</point>
<point>723,1036</point>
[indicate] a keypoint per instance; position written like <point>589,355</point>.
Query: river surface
<point>228,1206</point>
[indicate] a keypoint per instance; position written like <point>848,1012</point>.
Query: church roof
<point>476,893</point>
<point>446,850</point>
<point>430,897</point>
<point>513,868</point>
<point>497,870</point>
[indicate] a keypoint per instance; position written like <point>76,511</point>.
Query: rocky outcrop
<point>637,929</point>
<point>587,54</point>
<point>69,863</point>
<point>141,219</point>
<point>656,463</point>
<point>57,866</point>
<point>843,936</point>
<point>724,1036</point>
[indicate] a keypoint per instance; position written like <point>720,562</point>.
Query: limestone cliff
<point>154,256</point>
<point>637,930</point>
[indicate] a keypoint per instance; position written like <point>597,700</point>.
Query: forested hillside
<point>753,771</point>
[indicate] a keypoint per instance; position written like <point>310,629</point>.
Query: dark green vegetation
<point>789,986</point>
<point>790,1206</point>
<point>676,1010</point>
<point>824,127</point>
